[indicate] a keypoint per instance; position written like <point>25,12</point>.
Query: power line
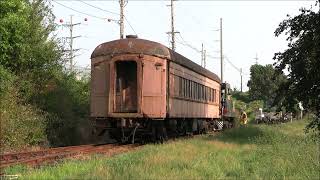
<point>185,43</point>
<point>79,11</point>
<point>125,18</point>
<point>99,8</point>
<point>189,46</point>
<point>234,66</point>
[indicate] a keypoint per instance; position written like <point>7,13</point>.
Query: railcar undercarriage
<point>130,130</point>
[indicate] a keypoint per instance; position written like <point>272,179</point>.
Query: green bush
<point>21,124</point>
<point>67,102</point>
<point>56,115</point>
<point>39,99</point>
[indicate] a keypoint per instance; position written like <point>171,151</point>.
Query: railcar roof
<point>142,46</point>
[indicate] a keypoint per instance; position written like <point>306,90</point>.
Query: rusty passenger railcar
<point>142,89</point>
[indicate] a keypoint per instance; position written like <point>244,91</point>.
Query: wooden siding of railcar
<point>154,87</point>
<point>151,78</point>
<point>99,94</point>
<point>183,108</point>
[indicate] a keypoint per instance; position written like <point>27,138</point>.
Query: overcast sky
<point>248,29</point>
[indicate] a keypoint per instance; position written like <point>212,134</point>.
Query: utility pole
<point>241,77</point>
<point>204,58</point>
<point>173,47</point>
<point>221,53</point>
<point>70,25</point>
<point>256,58</point>
<point>71,44</point>
<point>202,55</point>
<point>121,18</point>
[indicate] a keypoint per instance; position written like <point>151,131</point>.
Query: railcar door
<point>153,88</point>
<point>126,87</point>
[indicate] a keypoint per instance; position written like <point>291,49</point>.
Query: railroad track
<point>35,158</point>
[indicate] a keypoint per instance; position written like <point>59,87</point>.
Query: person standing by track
<point>243,118</point>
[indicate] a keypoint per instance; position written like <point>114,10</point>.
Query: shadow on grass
<point>241,135</point>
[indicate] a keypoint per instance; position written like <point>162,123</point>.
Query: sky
<point>248,29</point>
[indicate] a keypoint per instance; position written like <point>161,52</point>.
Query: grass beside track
<point>254,152</point>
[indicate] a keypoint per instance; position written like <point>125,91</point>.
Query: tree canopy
<point>302,60</point>
<point>25,43</point>
<point>264,83</point>
<point>40,101</point>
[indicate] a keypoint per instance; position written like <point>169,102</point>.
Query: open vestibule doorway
<point>126,87</point>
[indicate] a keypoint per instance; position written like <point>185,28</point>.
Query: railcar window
<point>185,87</point>
<point>202,92</point>
<point>188,89</point>
<point>196,93</point>
<point>200,98</point>
<point>217,94</point>
<point>177,85</point>
<point>199,93</point>
<point>194,90</point>
<point>213,98</point>
<point>183,84</point>
<point>211,92</point>
<point>206,93</point>
<point>180,86</point>
<point>191,89</point>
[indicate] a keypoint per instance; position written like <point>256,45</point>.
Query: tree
<point>263,83</point>
<point>38,99</point>
<point>302,60</point>
<point>26,48</point>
